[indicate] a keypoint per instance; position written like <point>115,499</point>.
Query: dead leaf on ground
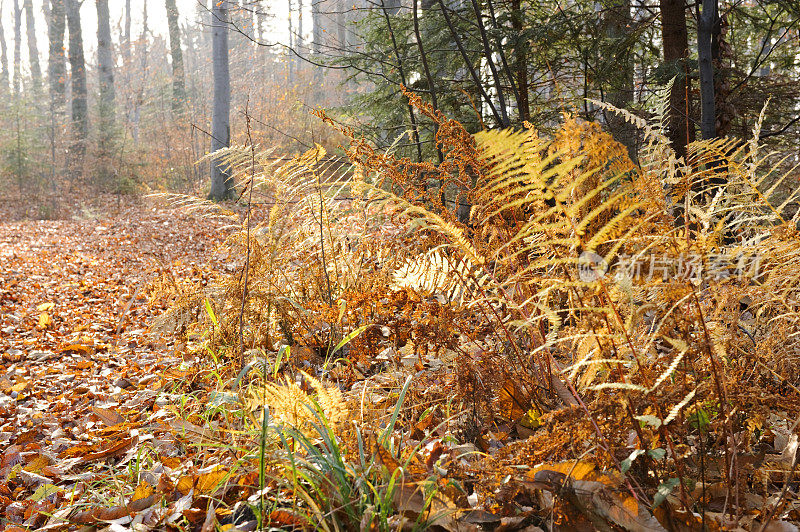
<point>108,416</point>
<point>115,450</point>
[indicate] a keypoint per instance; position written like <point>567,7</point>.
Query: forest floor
<point>107,424</point>
<point>83,383</point>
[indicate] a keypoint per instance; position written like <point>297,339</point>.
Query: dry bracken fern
<point>291,405</point>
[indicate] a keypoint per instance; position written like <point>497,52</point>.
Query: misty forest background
<point>135,114</point>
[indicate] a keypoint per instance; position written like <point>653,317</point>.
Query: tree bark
<point>620,92</point>
<point>316,31</point>
<point>178,74</point>
<point>388,12</point>
<point>4,75</point>
<point>292,59</point>
<point>300,38</point>
<point>341,23</point>
<point>57,68</point>
<point>488,57</point>
<point>426,69</point>
<point>77,63</point>
<point>126,47</point>
<point>705,27</point>
<point>500,119</point>
<point>139,98</point>
<point>33,51</point>
<point>260,20</point>
<point>676,50</point>
<point>17,47</point>
<point>520,62</point>
<point>221,186</point>
<point>105,64</point>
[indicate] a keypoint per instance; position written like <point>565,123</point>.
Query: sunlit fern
<point>456,279</point>
<point>292,406</point>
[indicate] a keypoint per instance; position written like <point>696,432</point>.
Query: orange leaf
<point>83,364</point>
<point>208,482</point>
<point>143,491</point>
<point>386,458</point>
<point>511,403</point>
<point>45,320</point>
<point>284,518</point>
<point>185,484</point>
<point>114,450</point>
<point>171,461</point>
<point>78,348</point>
<point>36,465</point>
<point>94,515</point>
<point>107,416</point>
<point>20,386</point>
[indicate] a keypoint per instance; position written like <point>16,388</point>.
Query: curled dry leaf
<point>96,515</point>
<point>117,449</point>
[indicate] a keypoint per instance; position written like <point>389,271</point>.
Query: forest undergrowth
<point>537,333</point>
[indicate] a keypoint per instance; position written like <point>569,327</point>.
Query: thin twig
<point>247,223</point>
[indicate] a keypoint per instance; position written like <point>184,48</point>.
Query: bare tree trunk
<point>260,19</point>
<point>426,69</point>
<point>316,42</point>
<point>57,68</point>
<point>106,107</point>
<point>221,186</point>
<point>4,75</point>
<point>316,21</point>
<point>676,50</point>
<point>178,75</point>
<point>300,38</point>
<point>292,58</point>
<point>705,27</point>
<point>488,57</point>
<point>126,47</point>
<point>620,93</point>
<point>80,117</point>
<point>17,47</point>
<point>388,13</point>
<point>341,23</point>
<point>105,64</point>
<point>520,61</point>
<point>57,76</point>
<point>501,118</point>
<point>139,99</point>
<point>33,51</point>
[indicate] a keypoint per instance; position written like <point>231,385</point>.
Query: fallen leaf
<point>114,450</point>
<point>44,491</point>
<point>95,515</point>
<point>45,320</point>
<point>208,482</point>
<point>108,416</point>
<point>78,348</point>
<point>143,491</point>
<point>185,484</point>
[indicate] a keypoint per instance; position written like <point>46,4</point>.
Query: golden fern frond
<point>434,272</point>
<point>330,400</point>
<point>194,205</point>
<point>425,219</point>
<point>291,405</point>
<point>588,207</point>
